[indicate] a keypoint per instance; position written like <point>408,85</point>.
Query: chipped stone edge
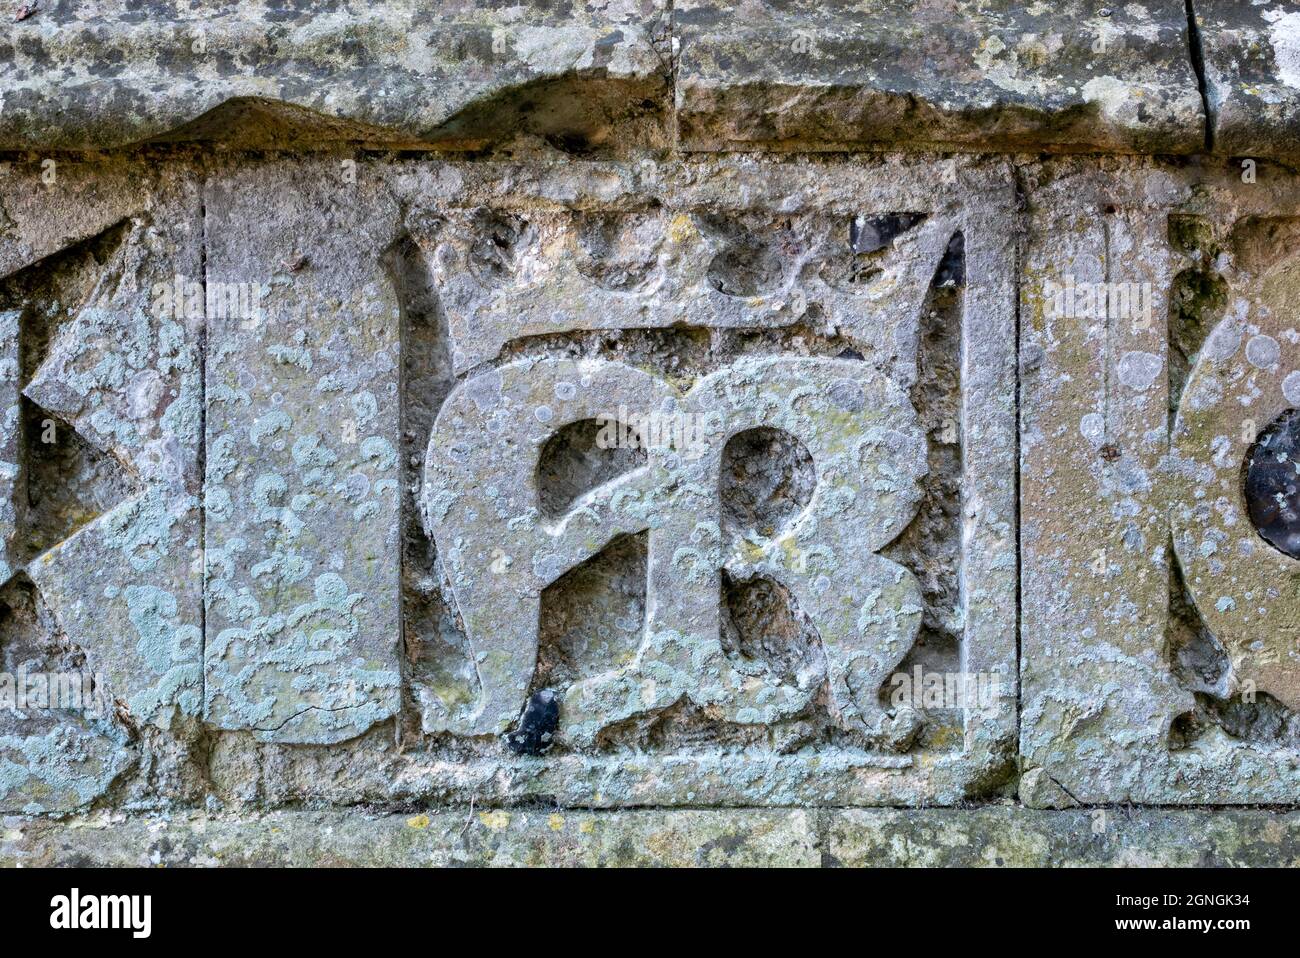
<point>321,104</point>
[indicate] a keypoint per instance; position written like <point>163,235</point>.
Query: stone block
<point>1251,56</point>
<point>101,590</point>
<point>302,479</point>
<point>796,74</point>
<point>396,73</point>
<point>1158,644</point>
<point>991,837</point>
<point>622,580</point>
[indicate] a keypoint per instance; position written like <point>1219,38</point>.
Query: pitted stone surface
<point>503,275</point>
<point>396,73</point>
<point>992,837</point>
<point>1252,76</point>
<point>301,495</point>
<point>11,453</point>
<point>1006,75</point>
<point>604,78</point>
<point>117,592</point>
<point>842,338</point>
<point>710,258</point>
<point>868,453</point>
<point>1134,677</point>
<point>582,472</point>
<point>1244,589</point>
<point>1153,674</point>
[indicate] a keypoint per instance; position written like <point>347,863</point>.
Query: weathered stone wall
<point>639,432</point>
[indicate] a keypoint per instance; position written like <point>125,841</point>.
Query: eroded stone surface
<point>798,74</point>
<point>397,73</point>
<point>698,608</point>
<point>993,837</point>
<point>1252,74</point>
<point>504,274</point>
<point>728,629</point>
<point>598,77</point>
<point>1242,586</point>
<point>1146,677</point>
<point>501,553</point>
<point>301,494</point>
<point>702,254</point>
<point>103,531</point>
<point>583,472</point>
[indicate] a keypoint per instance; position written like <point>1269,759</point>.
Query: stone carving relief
<point>1178,421</point>
<point>1233,490</point>
<point>100,548</point>
<point>501,551</point>
<point>617,486</point>
<point>1244,587</point>
<point>606,598</point>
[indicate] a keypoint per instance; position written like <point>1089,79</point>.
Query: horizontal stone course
<point>701,75</point>
<point>996,836</point>
<point>1004,75</point>
<point>393,73</point>
<point>1252,76</point>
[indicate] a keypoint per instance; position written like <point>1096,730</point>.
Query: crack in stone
<point>1196,51</point>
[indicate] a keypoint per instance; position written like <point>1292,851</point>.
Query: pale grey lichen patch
<point>301,577</point>
<point>62,770</point>
<point>1138,370</point>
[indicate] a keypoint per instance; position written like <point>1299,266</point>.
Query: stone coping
<point>695,75</point>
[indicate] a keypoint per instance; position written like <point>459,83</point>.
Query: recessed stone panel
<point>699,491</point>
<point>1159,622</point>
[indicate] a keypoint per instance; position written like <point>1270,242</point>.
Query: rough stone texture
<point>106,545</point>
<point>1003,75</point>
<point>301,495</point>
<point>755,668</point>
<point>1000,836</point>
<point>816,282</point>
<point>1146,680</point>
<point>1015,837</point>
<point>595,494</point>
<point>865,444</point>
<point>1252,76</point>
<point>89,74</point>
<point>595,77</point>
<point>776,838</point>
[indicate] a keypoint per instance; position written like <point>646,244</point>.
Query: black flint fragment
<point>1273,484</point>
<point>870,233</point>
<point>536,729</point>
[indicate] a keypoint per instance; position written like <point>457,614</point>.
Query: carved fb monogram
<point>501,550</point>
